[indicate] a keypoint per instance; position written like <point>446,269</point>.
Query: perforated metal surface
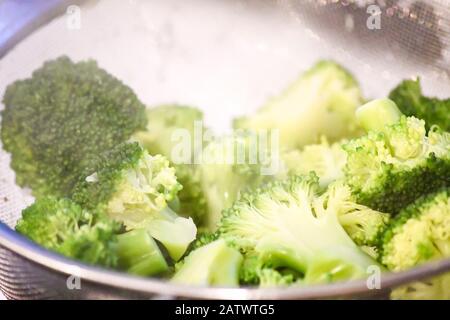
<point>225,57</point>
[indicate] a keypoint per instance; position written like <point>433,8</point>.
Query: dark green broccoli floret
<point>57,120</point>
<point>168,127</point>
<point>133,187</point>
<point>408,97</point>
<point>391,167</point>
<point>63,226</point>
<point>287,225</point>
<point>420,233</point>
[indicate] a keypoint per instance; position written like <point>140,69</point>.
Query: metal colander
<point>226,57</point>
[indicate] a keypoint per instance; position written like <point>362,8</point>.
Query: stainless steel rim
<point>31,251</point>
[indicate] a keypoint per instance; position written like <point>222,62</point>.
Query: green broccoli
<point>57,120</point>
<point>214,264</point>
<point>225,170</point>
<point>139,254</point>
<point>287,225</point>
<point>325,159</point>
<point>321,102</point>
<point>408,97</point>
<point>168,126</point>
<point>420,233</point>
<point>63,226</point>
<point>134,187</point>
<point>395,164</point>
<point>361,223</point>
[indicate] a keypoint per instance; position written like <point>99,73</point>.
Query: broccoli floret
<point>420,233</point>
<point>362,224</point>
<point>321,102</point>
<point>408,97</point>
<point>63,226</point>
<point>139,254</point>
<point>390,168</point>
<point>169,126</point>
<point>134,187</point>
<point>287,225</point>
<point>214,264</point>
<point>224,174</point>
<point>55,122</point>
<point>325,159</point>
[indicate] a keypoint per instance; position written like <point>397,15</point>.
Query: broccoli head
<point>134,187</point>
<point>55,121</point>
<point>63,226</point>
<point>167,127</point>
<point>214,264</point>
<point>408,97</point>
<point>390,168</point>
<point>420,233</point>
<point>322,102</point>
<point>288,226</point>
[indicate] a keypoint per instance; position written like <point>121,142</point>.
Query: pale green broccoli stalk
<point>63,226</point>
<point>408,97</point>
<point>389,169</point>
<point>168,127</point>
<point>420,233</point>
<point>214,264</point>
<point>362,223</point>
<point>287,225</point>
<point>57,122</point>
<point>322,102</point>
<point>139,254</point>
<point>325,159</point>
<point>224,174</point>
<point>134,187</point>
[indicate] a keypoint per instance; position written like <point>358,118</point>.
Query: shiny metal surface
<point>289,34</point>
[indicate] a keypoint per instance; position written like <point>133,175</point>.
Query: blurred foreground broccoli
<point>56,122</point>
<point>322,102</point>
<point>135,188</point>
<point>397,162</point>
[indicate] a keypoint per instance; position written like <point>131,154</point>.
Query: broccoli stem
<point>377,114</point>
<point>139,254</point>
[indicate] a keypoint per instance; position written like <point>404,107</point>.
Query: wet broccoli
<point>397,162</point>
<point>135,188</point>
<point>63,226</point>
<point>169,126</point>
<point>286,225</point>
<point>55,122</point>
